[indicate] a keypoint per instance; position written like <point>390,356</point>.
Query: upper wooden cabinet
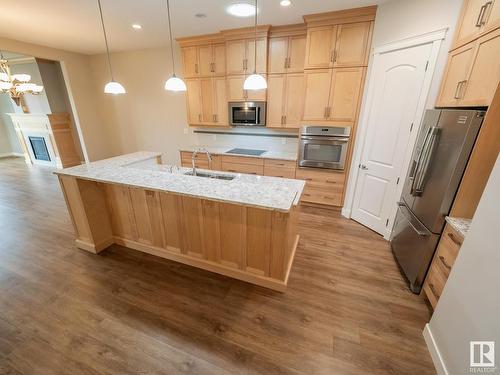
<point>286,54</point>
<point>203,56</point>
<point>240,56</point>
<point>235,92</point>
<point>472,74</point>
<point>286,93</point>
<point>342,45</point>
<point>477,17</point>
<point>207,104</point>
<point>333,95</point>
<point>212,60</point>
<point>190,65</point>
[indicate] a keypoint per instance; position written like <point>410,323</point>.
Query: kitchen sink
<point>216,176</point>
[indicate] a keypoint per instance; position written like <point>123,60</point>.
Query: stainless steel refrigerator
<point>439,159</point>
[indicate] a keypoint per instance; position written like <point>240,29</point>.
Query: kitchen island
<point>242,226</point>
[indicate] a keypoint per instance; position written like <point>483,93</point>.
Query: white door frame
<point>435,37</point>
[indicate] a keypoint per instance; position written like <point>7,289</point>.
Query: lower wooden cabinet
<point>239,164</point>
<point>201,161</point>
<point>446,253</point>
<point>322,187</point>
<point>279,168</point>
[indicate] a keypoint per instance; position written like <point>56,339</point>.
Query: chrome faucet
<point>193,159</point>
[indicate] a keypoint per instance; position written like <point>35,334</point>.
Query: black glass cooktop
<point>245,151</point>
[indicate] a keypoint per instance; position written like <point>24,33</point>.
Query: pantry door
<point>398,89</point>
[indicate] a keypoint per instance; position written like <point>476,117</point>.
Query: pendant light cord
<point>255,54</point>
<point>171,41</point>
<point>105,40</point>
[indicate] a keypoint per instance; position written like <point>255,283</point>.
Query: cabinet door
<point>351,47</point>
<point>485,74</point>
<point>220,108</point>
<point>235,90</point>
<point>294,96</point>
<point>345,93</point>
<point>470,23</point>
<point>459,62</point>
<point>319,47</point>
<point>296,54</point>
<point>219,59</point>
<point>205,60</point>
<point>207,100</point>
<point>261,56</point>
<point>278,54</point>
<point>317,94</point>
<point>275,100</point>
<point>235,56</point>
<point>256,95</point>
<point>194,101</point>
<point>190,61</point>
<point>492,15</point>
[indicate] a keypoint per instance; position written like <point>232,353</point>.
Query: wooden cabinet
<point>279,168</point>
<point>286,54</point>
<point>478,17</point>
<point>235,91</point>
<point>207,104</point>
<point>201,161</point>
<point>241,164</point>
<point>204,60</point>
<point>322,186</point>
<point>240,58</point>
<point>338,46</point>
<point>285,100</point>
<point>442,263</point>
<point>332,95</point>
<point>472,73</point>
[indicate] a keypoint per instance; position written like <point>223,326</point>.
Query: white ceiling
<point>74,25</point>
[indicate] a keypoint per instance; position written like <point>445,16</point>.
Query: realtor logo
<point>482,354</point>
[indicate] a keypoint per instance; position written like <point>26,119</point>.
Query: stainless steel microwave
<point>323,147</point>
<point>247,113</point>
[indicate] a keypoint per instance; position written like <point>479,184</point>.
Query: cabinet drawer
<point>242,160</point>
<point>448,248</point>
<point>284,172</point>
<point>320,178</point>
<point>242,168</point>
<point>321,196</point>
<point>279,163</point>
<point>434,285</point>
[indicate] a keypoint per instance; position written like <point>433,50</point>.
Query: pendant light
<point>112,87</point>
<point>174,83</point>
<point>255,81</point>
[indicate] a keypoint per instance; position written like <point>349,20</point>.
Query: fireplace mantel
<point>55,129</point>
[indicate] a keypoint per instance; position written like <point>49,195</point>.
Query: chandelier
<point>16,85</point>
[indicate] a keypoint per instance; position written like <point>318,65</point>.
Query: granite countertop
<point>140,170</point>
<point>282,155</point>
<point>460,225</point>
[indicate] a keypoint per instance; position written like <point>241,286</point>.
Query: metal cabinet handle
<point>480,16</point>
<point>454,239</point>
<point>325,114</point>
<point>333,56</point>
<point>459,92</point>
<point>485,13</point>
<point>284,119</point>
<point>445,264</point>
<point>455,96</point>
<point>433,290</point>
<point>196,68</point>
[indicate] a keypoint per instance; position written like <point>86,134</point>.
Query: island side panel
<point>86,201</point>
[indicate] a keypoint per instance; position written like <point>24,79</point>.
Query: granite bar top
<point>281,155</point>
<point>461,225</point>
<point>141,170</point>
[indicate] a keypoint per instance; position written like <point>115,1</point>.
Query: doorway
<point>397,92</point>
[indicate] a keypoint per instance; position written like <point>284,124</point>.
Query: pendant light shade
<point>174,83</point>
<point>114,88</point>
<point>255,81</point>
<point>111,87</point>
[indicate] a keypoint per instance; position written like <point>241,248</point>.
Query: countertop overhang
<point>139,169</point>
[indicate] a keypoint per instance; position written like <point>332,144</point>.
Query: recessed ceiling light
<point>137,26</point>
<point>285,3</point>
<point>241,9</point>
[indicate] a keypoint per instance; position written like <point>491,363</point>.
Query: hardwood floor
<point>62,310</point>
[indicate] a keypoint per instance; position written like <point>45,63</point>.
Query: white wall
<point>399,19</point>
<point>8,139</point>
<point>469,308</point>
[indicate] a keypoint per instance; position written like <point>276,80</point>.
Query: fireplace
<point>39,148</point>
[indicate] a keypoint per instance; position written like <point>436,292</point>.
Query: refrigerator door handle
<point>422,177</point>
<point>420,229</point>
<point>419,159</point>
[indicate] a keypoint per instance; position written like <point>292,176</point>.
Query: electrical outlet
<point>186,131</point>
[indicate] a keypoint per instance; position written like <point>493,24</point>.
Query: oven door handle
<point>325,139</point>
